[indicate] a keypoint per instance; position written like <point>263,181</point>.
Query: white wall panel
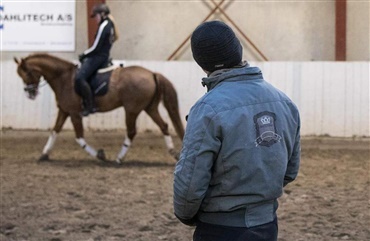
<point>333,86</point>
<point>311,100</point>
<point>333,97</point>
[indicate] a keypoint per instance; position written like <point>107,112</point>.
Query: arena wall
<point>282,30</point>
<point>333,97</point>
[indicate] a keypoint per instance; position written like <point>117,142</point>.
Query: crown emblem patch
<point>266,129</point>
<point>265,120</point>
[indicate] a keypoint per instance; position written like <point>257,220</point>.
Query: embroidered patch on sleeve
<point>266,129</point>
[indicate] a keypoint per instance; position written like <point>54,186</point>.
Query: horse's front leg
<point>61,118</point>
<point>78,127</point>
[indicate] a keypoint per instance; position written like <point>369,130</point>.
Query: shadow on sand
<point>83,163</point>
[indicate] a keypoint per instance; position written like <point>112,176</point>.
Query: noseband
<point>32,89</point>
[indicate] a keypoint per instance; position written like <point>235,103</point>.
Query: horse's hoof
<point>119,161</point>
<point>43,158</point>
<point>101,155</point>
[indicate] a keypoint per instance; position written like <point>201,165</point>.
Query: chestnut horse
<point>135,88</point>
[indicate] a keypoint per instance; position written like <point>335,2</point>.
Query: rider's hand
<point>81,57</point>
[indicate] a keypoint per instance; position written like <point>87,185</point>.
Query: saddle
<point>99,82</point>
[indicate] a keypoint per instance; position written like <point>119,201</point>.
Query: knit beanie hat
<point>215,46</point>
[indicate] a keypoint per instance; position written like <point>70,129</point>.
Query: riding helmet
<point>100,8</point>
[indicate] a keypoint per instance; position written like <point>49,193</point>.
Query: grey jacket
<point>241,146</point>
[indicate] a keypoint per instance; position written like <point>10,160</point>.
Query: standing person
<point>96,56</point>
<point>241,146</point>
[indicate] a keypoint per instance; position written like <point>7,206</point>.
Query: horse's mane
<point>51,59</point>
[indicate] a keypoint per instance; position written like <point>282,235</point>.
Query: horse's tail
<point>170,102</point>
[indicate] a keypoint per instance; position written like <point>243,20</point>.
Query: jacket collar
<point>218,76</point>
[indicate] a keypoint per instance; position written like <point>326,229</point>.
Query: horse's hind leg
<point>61,118</point>
<point>131,133</point>
<point>154,114</point>
<point>78,127</point>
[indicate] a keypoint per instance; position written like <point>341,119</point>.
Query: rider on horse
<point>96,56</point>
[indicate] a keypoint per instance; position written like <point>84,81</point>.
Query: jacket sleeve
<point>193,170</point>
<point>100,37</point>
<point>294,160</point>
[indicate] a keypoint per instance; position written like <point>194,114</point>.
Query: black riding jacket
<point>104,39</point>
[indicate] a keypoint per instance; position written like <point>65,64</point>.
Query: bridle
<point>32,89</point>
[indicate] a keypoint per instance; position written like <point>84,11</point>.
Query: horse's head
<point>31,77</point>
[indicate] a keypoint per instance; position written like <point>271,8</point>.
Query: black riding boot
<point>87,97</point>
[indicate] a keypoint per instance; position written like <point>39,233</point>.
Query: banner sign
<point>30,25</point>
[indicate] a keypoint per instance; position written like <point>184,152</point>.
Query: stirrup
<point>85,112</point>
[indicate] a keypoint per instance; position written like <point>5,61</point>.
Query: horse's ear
<point>16,61</point>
